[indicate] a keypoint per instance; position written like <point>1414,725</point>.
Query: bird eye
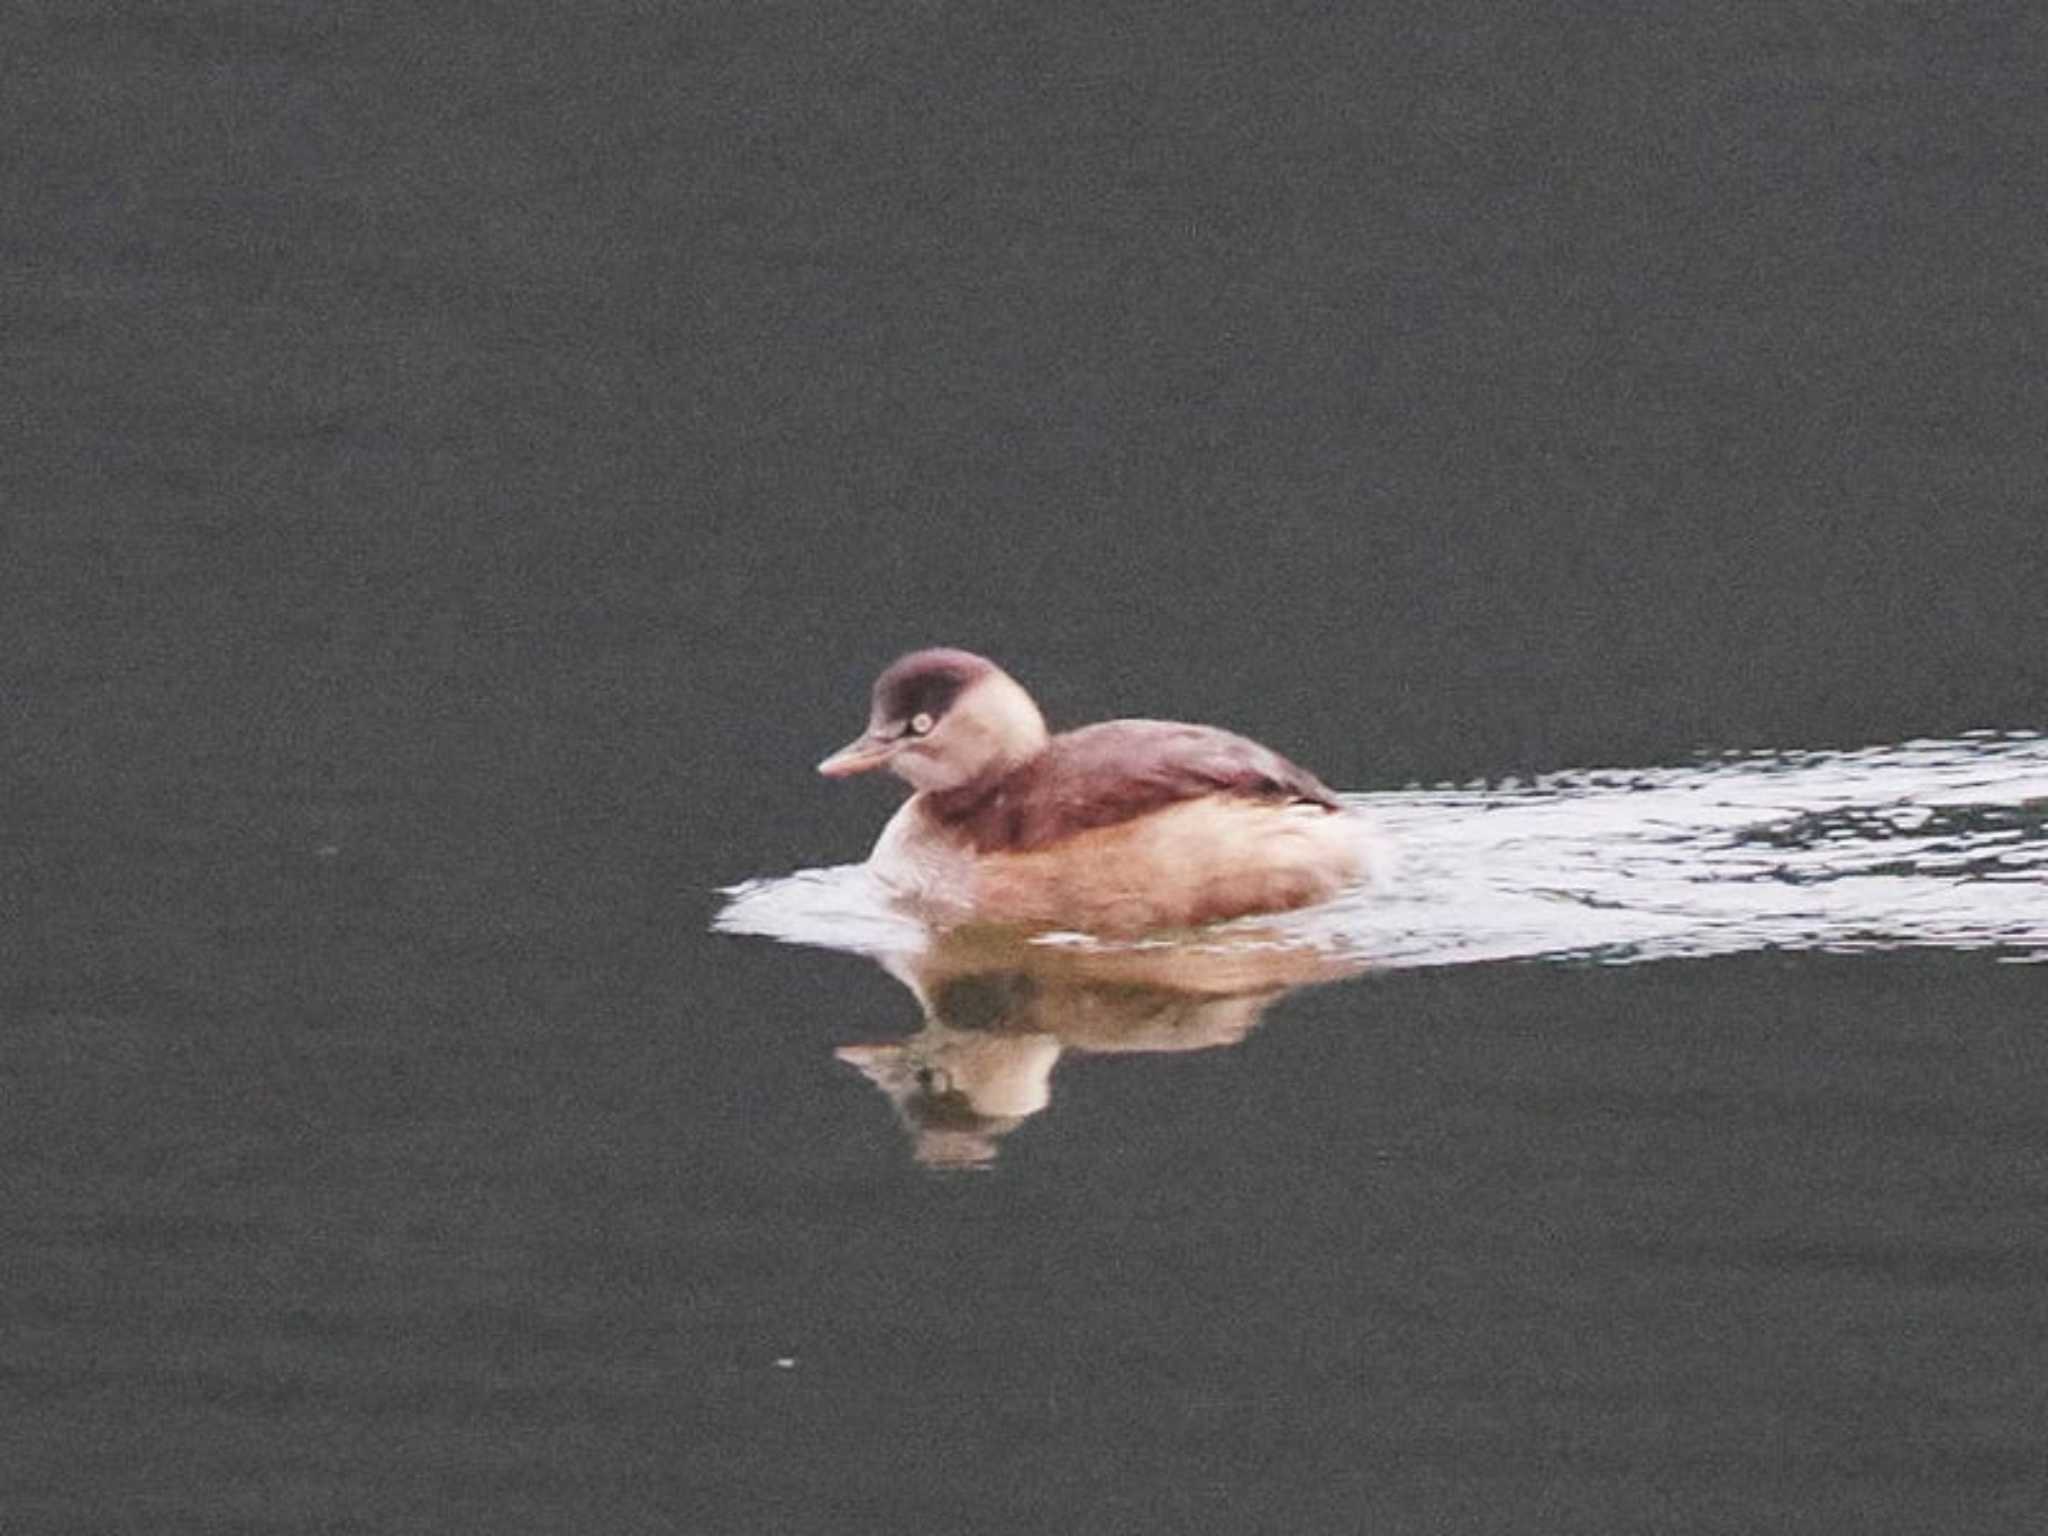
<point>920,724</point>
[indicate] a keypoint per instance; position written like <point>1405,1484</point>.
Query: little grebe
<point>1118,828</point>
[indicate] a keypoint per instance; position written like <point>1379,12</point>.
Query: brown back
<point>1104,774</point>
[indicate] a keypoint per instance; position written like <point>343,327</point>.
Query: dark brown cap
<point>926,683</point>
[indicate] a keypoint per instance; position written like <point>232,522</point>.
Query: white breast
<point>919,862</point>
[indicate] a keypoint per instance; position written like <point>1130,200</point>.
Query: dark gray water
<point>462,469</point>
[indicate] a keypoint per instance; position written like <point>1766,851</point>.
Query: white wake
<point>1927,843</point>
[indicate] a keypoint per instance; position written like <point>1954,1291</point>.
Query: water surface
<point>1925,844</point>
<point>468,465</point>
<point>1940,843</point>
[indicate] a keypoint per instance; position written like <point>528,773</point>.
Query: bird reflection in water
<point>1920,844</point>
<point>1000,1011</point>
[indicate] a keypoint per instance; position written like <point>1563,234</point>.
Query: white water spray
<point>1927,843</point>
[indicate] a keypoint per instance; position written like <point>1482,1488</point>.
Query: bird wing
<point>1102,775</point>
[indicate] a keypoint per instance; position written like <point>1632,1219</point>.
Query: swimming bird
<point>1126,827</point>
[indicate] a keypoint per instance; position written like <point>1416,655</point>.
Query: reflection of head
<point>1000,1011</point>
<point>958,1093</point>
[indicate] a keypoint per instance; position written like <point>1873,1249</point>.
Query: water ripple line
<point>1929,843</point>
